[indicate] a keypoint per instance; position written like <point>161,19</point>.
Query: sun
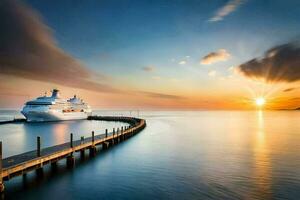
<point>260,101</point>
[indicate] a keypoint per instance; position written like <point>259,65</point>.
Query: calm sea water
<point>180,155</point>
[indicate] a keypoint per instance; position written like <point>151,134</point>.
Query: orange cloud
<point>220,55</point>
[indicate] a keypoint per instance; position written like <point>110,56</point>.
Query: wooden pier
<point>36,159</point>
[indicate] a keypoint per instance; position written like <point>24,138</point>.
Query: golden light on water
<point>260,101</point>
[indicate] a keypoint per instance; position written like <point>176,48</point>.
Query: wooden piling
<point>54,164</point>
<point>93,137</point>
<point>118,135</point>
<point>71,140</point>
<point>93,148</point>
<point>38,144</point>
<point>70,161</point>
<point>92,151</point>
<point>82,150</point>
<point>39,171</point>
<point>105,145</point>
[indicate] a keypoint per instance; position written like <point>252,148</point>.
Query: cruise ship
<point>54,108</point>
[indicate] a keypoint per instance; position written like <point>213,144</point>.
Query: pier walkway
<point>34,160</point>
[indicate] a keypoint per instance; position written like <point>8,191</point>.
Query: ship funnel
<point>55,93</point>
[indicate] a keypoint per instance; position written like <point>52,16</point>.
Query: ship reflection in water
<point>180,155</point>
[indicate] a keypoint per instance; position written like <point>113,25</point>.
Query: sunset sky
<point>179,54</point>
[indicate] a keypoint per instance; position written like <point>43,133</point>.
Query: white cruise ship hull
<point>36,116</point>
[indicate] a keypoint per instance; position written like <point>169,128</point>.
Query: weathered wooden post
<point>71,158</point>
<point>105,145</point>
<point>112,140</point>
<point>82,150</point>
<point>38,144</point>
<point>118,137</point>
<point>93,148</point>
<point>93,137</point>
<point>1,179</point>
<point>39,170</point>
<point>71,140</point>
<point>122,133</point>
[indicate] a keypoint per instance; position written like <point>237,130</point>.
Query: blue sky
<point>113,35</point>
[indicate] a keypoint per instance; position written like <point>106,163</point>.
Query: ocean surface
<point>180,155</point>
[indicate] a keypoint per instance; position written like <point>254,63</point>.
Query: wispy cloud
<point>182,62</point>
<point>149,68</point>
<point>289,89</point>
<point>220,55</point>
<point>228,8</point>
<point>161,95</point>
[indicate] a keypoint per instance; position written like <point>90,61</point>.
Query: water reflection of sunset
<point>262,165</point>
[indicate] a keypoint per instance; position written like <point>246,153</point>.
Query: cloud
<point>160,95</point>
<point>28,50</point>
<point>289,89</point>
<point>149,68</point>
<point>279,64</point>
<point>220,55</point>
<point>183,62</point>
<point>212,73</point>
<point>228,8</point>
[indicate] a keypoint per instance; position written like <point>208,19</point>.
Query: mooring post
<point>93,137</point>
<point>1,179</point>
<point>105,132</point>
<point>93,148</point>
<point>125,131</point>
<point>111,141</point>
<point>71,140</point>
<point>71,158</point>
<point>122,134</point>
<point>38,143</point>
<point>82,150</point>
<point>118,135</point>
